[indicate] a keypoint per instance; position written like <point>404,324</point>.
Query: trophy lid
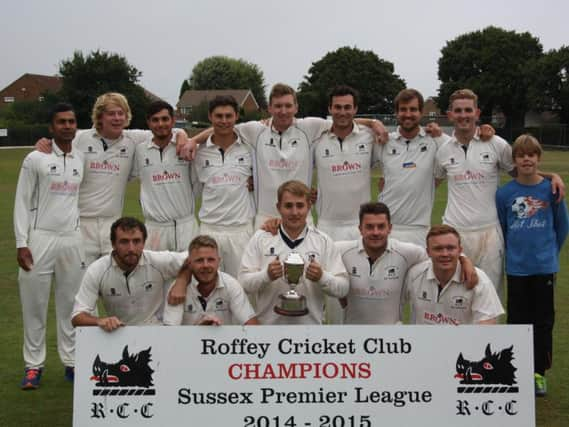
<point>294,258</point>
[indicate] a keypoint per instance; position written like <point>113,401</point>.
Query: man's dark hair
<point>223,101</point>
<point>343,90</point>
<point>127,223</point>
<point>374,208</point>
<point>407,95</point>
<point>60,107</point>
<point>157,106</point>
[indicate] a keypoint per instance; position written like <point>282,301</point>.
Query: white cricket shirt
<point>47,193</point>
<point>454,304</point>
<point>262,250</point>
<point>228,302</point>
<point>408,169</point>
<point>136,298</point>
<point>376,288</point>
<point>280,157</point>
<point>344,173</point>
<point>473,178</point>
<point>166,191</point>
<point>222,179</point>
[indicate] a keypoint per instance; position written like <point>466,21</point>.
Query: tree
<point>372,76</point>
<point>222,72</point>
<point>494,63</point>
<point>85,78</point>
<point>550,88</point>
<point>185,86</point>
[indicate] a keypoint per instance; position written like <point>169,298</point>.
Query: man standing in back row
<point>166,191</point>
<point>472,168</point>
<point>46,224</point>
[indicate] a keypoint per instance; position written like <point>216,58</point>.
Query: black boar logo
<point>131,371</point>
<point>494,368</point>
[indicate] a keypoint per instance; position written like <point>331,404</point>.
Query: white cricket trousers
<point>334,314</point>
<point>56,256</point>
<point>485,248</point>
<point>173,236</point>
<point>96,234</point>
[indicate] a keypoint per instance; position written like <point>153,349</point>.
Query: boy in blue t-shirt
<point>535,227</point>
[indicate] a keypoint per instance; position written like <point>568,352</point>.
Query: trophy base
<point>292,305</point>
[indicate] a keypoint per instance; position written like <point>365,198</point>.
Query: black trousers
<point>530,301</point>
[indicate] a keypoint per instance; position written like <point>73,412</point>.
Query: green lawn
<point>51,405</point>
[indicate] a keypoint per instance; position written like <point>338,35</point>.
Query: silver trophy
<point>291,303</point>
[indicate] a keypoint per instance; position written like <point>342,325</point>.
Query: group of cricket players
<point>364,261</point>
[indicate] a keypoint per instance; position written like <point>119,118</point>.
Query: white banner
<point>305,376</point>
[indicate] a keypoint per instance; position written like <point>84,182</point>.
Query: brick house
<point>29,87</point>
<point>190,99</point>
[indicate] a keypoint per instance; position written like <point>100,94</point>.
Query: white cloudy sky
<point>165,39</point>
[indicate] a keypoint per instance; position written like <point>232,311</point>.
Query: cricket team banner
<point>305,376</point>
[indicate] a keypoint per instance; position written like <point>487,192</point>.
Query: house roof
<point>41,82</point>
<point>196,97</point>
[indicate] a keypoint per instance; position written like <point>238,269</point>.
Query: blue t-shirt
<point>534,227</point>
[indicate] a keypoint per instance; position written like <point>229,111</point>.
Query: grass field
<point>51,405</point>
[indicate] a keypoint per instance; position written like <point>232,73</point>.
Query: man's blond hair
<point>463,94</point>
<point>104,101</point>
<point>280,89</point>
<point>296,188</point>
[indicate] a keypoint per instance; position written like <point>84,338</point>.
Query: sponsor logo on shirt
<point>294,143</point>
<point>469,176</point>
<point>148,286</point>
<point>327,153</point>
<point>423,148</point>
<point>346,168</point>
<point>424,296</point>
<point>371,292</point>
<point>166,177</point>
<point>362,148</point>
<point>75,172</point>
<point>440,318</point>
<point>393,152</point>
<point>409,165</point>
<point>283,164</point>
<point>225,179</point>
<point>64,187</point>
<point>271,252</point>
<point>104,166</point>
<point>354,272</point>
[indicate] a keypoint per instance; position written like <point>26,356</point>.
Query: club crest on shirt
<point>53,169</point>
<point>220,305</point>
<point>486,157</point>
<point>391,272</point>
<point>459,302</point>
